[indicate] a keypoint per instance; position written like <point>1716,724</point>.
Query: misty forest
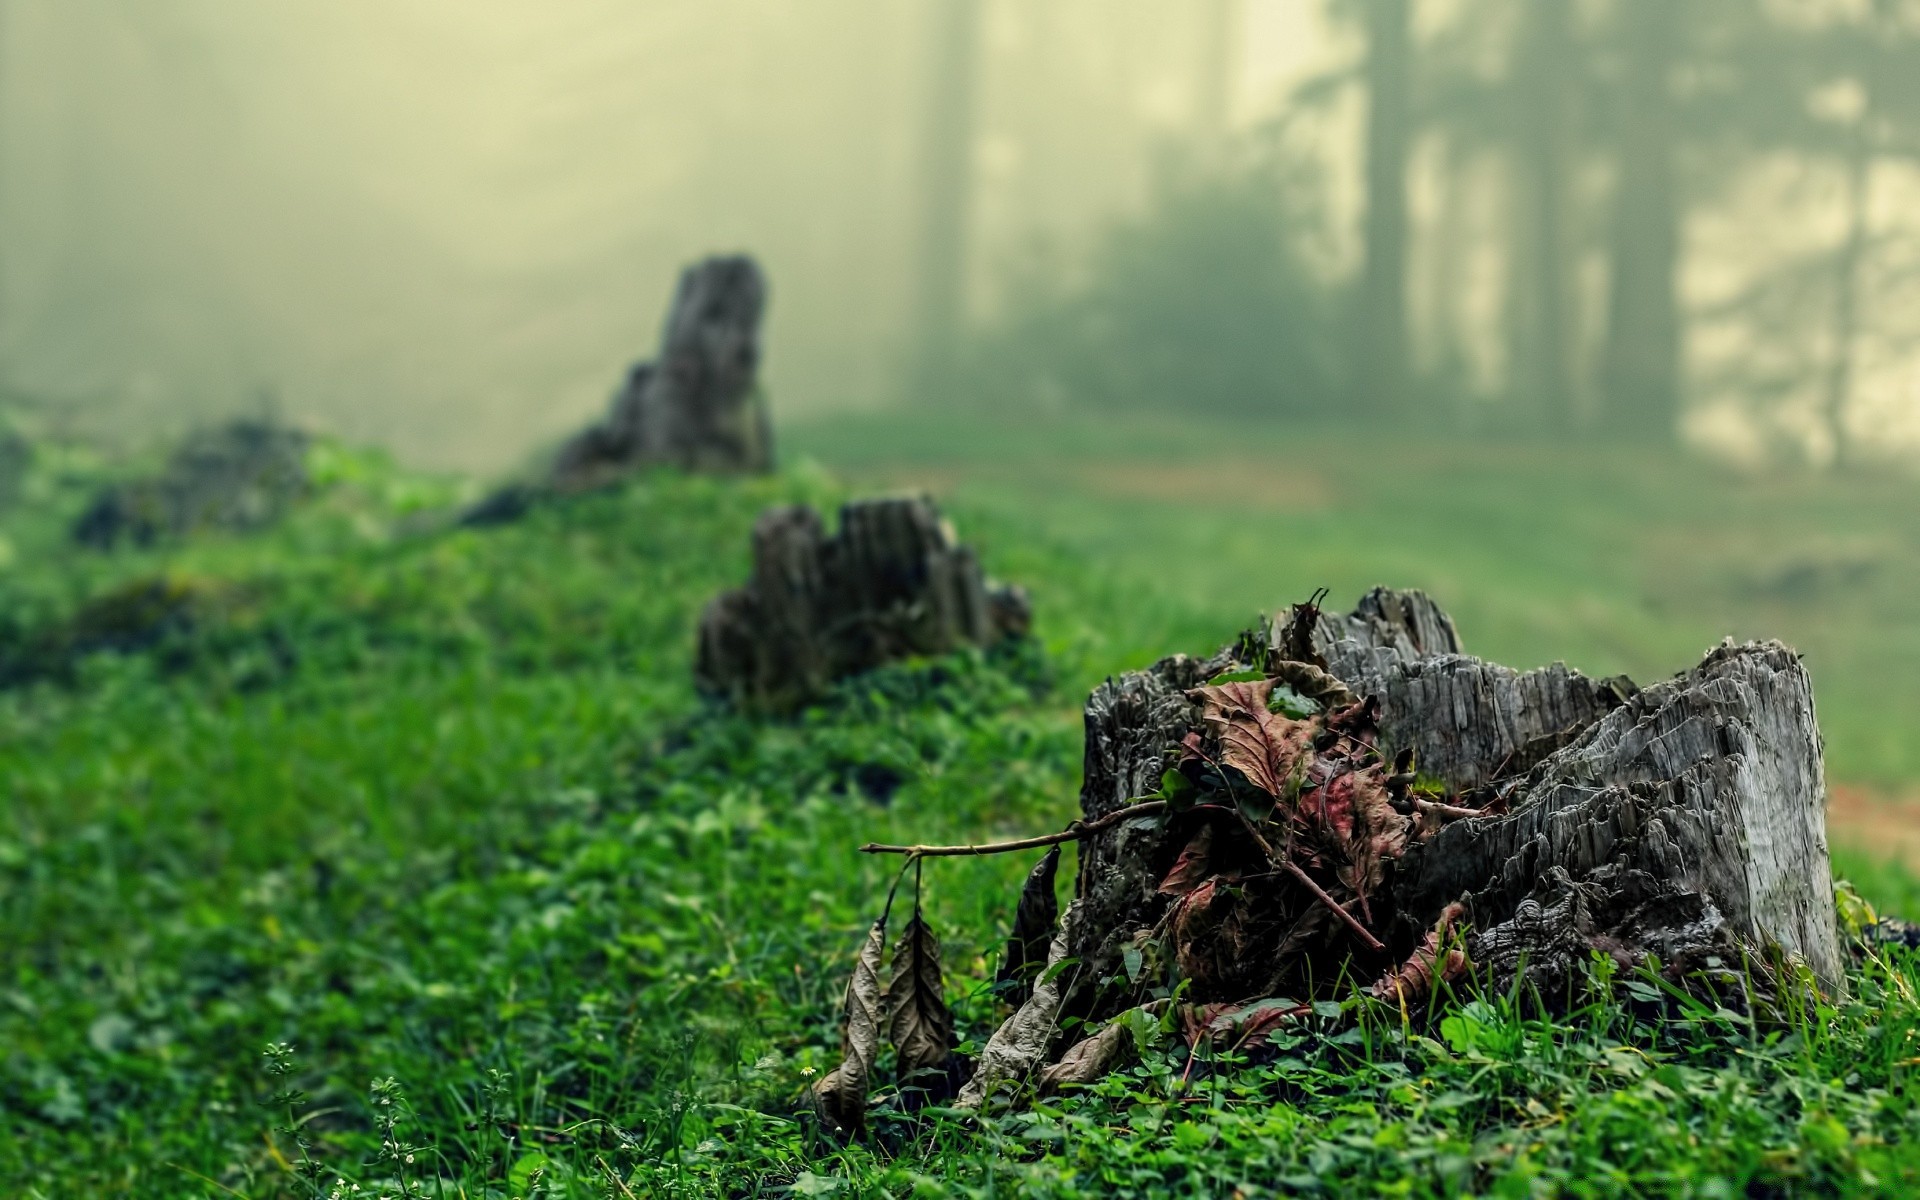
<point>973,598</point>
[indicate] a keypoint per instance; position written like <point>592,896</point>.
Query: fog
<point>447,225</point>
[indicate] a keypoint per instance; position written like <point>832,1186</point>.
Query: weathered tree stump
<point>892,583</point>
<point>697,406</point>
<point>244,474</point>
<point>1552,816</point>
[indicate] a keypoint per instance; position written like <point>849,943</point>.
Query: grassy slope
<point>481,825</point>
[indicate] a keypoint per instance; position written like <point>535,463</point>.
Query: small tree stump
<point>244,474</point>
<point>1686,821</point>
<point>698,406</point>
<point>892,583</point>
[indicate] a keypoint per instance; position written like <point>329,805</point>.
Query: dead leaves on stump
<point>1291,825</point>
<point>1259,743</point>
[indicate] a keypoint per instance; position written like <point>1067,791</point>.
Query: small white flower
<point>409,1158</point>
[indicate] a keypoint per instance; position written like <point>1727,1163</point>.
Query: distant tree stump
<point>1684,822</point>
<point>698,406</point>
<point>244,474</point>
<point>892,583</point>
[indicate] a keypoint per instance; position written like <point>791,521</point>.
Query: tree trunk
<point>890,584</point>
<point>1216,74</point>
<point>1380,350</point>
<point>946,188</point>
<point>1838,390</point>
<point>698,406</point>
<point>1684,822</point>
<point>1540,352</point>
<point>1640,363</point>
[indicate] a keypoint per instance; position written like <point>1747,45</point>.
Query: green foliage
<point>471,893</point>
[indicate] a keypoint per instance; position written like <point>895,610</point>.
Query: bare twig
<point>1452,812</point>
<point>1360,931</point>
<point>1073,832</point>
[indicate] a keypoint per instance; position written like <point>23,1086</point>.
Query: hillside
<point>440,806</point>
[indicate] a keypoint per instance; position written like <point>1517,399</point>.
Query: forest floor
<point>440,807</point>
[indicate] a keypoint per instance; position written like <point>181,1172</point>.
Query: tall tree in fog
<point>1216,70</point>
<point>1543,78</point>
<point>1380,349</point>
<point>1881,51</point>
<point>1640,359</point>
<point>946,185</point>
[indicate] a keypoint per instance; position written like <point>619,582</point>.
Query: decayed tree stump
<point>243,474</point>
<point>892,583</point>
<point>697,406</point>
<point>1685,821</point>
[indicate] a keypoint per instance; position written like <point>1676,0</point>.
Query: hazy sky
<point>449,224</point>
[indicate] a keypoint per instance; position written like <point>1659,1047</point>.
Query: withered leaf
<point>1262,745</point>
<point>1021,1042</point>
<point>1244,1025</point>
<point>1431,960</point>
<point>1088,1060</point>
<point>1294,639</point>
<point>1360,813</point>
<point>1092,1058</point>
<point>1195,923</point>
<point>1193,867</point>
<point>1033,921</point>
<point>841,1093</point>
<point>918,1020</point>
<point>1314,683</point>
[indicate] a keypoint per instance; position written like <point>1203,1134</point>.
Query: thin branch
<point>1360,931</point>
<point>1452,812</point>
<point>1071,833</point>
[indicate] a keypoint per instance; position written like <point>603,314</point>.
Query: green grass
<point>440,806</point>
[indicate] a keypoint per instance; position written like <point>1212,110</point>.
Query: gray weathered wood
<point>697,406</point>
<point>1686,821</point>
<point>891,583</point>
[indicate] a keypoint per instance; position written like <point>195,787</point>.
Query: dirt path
<point>1874,823</point>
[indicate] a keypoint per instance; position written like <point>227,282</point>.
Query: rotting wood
<point>698,405</point>
<point>891,583</point>
<point>1683,823</point>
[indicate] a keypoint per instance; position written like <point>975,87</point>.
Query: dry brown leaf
<point>1090,1059</point>
<point>918,1020</point>
<point>1263,746</point>
<point>842,1093</point>
<point>1414,980</point>
<point>1314,684</point>
<point>1033,921</point>
<point>1243,1025</point>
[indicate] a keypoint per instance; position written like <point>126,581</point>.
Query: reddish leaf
<point>1193,867</point>
<point>1244,1025</point>
<point>1414,979</point>
<point>1194,926</point>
